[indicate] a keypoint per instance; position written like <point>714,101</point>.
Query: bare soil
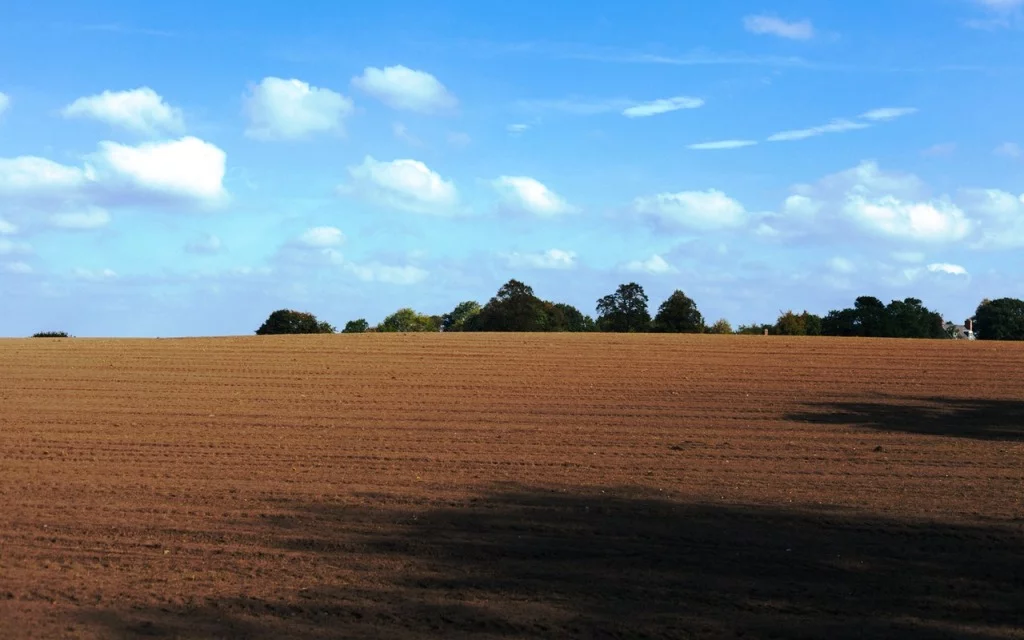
<point>493,486</point>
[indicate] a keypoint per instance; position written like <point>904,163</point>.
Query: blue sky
<point>186,168</point>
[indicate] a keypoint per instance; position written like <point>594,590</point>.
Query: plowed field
<point>490,486</point>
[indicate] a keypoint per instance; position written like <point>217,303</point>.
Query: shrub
<point>51,334</point>
<point>356,326</point>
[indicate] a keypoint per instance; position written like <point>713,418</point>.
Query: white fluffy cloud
<point>1000,216</point>
<point>375,272</point>
<point>5,102</point>
<point>280,109</point>
<point>705,210</point>
<point>526,194</point>
<point>188,168</point>
<point>407,89</point>
<point>139,110</point>
<point>722,144</point>
<point>663,105</point>
<point>550,259</point>
<point>91,218</point>
<point>404,184</point>
<point>322,237</point>
<point>185,171</point>
<point>836,126</point>
<point>31,175</point>
<point>771,25</point>
<point>655,265</point>
<point>885,204</point>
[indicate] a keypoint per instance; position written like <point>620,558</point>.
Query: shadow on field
<point>539,563</point>
<point>937,416</point>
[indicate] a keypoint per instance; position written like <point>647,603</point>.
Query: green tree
<point>1001,319</point>
<point>721,326</point>
<point>287,321</point>
<point>791,324</point>
<point>513,308</point>
<point>871,317</point>
<point>625,310</point>
<point>456,319</point>
<point>754,329</point>
<point>678,314</point>
<point>356,326</point>
<point>407,320</point>
<point>569,318</point>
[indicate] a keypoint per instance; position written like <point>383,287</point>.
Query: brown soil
<point>491,486</point>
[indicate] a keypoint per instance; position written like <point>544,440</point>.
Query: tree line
<point>515,307</point>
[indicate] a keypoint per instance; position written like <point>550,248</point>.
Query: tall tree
<point>678,314</point>
<point>1001,319</point>
<point>625,310</point>
<point>513,308</point>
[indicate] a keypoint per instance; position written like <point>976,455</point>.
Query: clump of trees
<point>51,334</point>
<point>288,321</point>
<point>515,307</point>
<point>870,318</point>
<point>791,324</point>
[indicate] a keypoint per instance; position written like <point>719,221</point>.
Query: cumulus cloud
<point>188,168</point>
<point>1000,216</point>
<point>139,110</point>
<point>209,244</point>
<point>722,144</point>
<point>5,102</point>
<point>835,126</point>
<point>945,267</point>
<point>885,204</point>
<point>655,265</point>
<point>403,184</point>
<point>406,89</point>
<point>322,237</point>
<point>705,210</point>
<point>663,105</point>
<point>31,175</point>
<point>280,109</point>
<point>526,194</point>
<point>376,272</point>
<point>771,25</point>
<point>188,171</point>
<point>91,218</point>
<point>888,113</point>
<point>550,259</point>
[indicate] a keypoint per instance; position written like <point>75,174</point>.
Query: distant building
<point>959,331</point>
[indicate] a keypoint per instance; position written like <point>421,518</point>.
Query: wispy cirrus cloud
<point>835,126</point>
<point>628,107</point>
<point>888,113</point>
<point>722,144</point>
